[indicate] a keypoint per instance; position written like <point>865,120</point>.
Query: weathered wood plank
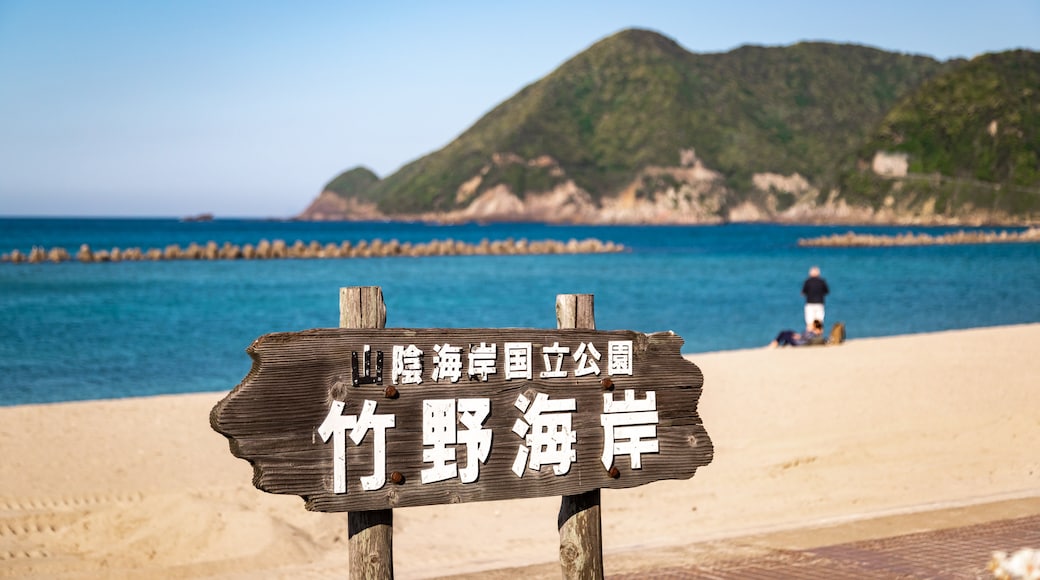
<point>370,533</point>
<point>580,521</point>
<point>272,417</point>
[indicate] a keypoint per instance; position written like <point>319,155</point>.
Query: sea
<point>74,331</point>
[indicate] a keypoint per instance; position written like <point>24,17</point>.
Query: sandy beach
<point>804,437</point>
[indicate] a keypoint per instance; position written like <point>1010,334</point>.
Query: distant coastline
<point>46,251</point>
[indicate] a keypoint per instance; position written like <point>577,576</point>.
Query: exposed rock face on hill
<point>681,194</point>
<point>330,206</point>
<point>657,195</point>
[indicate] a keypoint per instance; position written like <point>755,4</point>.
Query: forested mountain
<point>971,143</point>
<point>637,129</point>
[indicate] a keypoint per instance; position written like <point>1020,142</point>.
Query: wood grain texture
<point>370,533</point>
<point>579,521</point>
<point>271,418</point>
<point>362,307</point>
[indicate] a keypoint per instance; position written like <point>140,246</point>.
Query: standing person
<point>814,289</point>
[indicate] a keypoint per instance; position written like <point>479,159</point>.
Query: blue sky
<point>247,108</point>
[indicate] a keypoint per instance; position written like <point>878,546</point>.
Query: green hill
<point>636,102</point>
<point>355,181</point>
<point>971,138</point>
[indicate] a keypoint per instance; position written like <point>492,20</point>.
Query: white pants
<point>813,312</point>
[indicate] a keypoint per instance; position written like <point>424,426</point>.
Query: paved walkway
<point>951,543</point>
<point>941,554</point>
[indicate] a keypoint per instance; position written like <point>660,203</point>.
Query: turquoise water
<point>76,331</point>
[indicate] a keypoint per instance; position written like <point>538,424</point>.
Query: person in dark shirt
<point>812,336</point>
<point>814,289</point>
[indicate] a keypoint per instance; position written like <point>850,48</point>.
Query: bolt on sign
<point>366,419</point>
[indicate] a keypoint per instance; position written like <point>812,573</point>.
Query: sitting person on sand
<point>812,335</point>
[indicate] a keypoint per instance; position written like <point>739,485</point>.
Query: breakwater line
<point>851,239</point>
<point>279,249</point>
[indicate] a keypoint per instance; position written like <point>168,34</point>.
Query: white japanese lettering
<point>619,353</point>
<point>440,430</point>
<point>518,360</point>
<point>629,427</point>
<point>407,365</point>
<point>550,440</point>
<point>582,356</point>
<point>447,363</point>
<point>476,438</point>
<point>550,372</point>
<point>482,360</point>
<point>378,424</point>
<point>335,426</point>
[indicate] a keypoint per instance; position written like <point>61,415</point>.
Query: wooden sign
<point>366,419</point>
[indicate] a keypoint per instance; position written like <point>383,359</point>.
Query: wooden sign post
<point>370,533</point>
<point>366,419</point>
<point>579,522</point>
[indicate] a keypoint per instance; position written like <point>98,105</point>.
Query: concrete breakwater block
<point>279,249</point>
<point>851,239</point>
